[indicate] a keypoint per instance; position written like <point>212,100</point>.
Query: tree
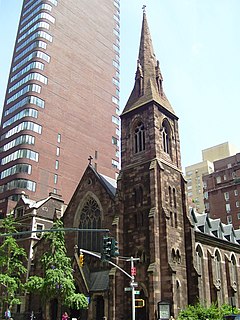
<point>57,281</point>
<point>12,268</point>
<point>193,312</point>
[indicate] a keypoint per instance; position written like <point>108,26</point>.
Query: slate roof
<point>99,281</point>
<point>214,227</point>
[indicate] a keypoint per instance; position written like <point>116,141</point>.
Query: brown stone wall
<point>214,291</point>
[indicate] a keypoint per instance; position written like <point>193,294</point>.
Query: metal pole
<point>133,290</point>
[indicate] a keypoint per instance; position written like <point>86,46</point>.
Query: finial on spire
<point>144,8</point>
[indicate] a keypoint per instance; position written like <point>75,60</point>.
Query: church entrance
<point>99,308</point>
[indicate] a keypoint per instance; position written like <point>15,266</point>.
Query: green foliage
<point>12,268</point>
<point>58,280</point>
<point>202,313</point>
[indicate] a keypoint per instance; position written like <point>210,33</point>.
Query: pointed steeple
<point>148,79</point>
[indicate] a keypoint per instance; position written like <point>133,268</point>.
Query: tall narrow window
<point>139,137</point>
<point>174,198</point>
<point>233,271</point>
<point>166,139</point>
<point>170,195</point>
<point>199,258</point>
<point>217,265</point>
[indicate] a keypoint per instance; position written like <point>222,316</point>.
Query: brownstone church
<point>183,256</point>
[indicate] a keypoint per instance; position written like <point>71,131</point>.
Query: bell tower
<point>152,187</point>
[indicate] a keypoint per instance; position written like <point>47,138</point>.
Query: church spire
<point>148,79</point>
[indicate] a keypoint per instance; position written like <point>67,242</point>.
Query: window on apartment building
<point>229,219</point>
<point>115,164</point>
<point>226,196</point>
<point>59,137</point>
<point>205,195</point>
<point>204,184</point>
<point>56,164</point>
<point>207,206</point>
<point>55,178</point>
<point>236,192</point>
<point>58,152</point>
<point>237,204</point>
<point>238,215</point>
<point>229,165</point>
<point>228,207</point>
<point>218,179</point>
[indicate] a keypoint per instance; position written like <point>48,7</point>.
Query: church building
<point>183,256</point>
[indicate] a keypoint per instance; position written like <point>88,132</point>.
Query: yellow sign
<point>139,303</point>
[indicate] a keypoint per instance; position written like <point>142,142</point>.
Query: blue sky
<point>197,44</point>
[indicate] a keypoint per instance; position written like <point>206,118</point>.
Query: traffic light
<point>81,260</point>
<point>114,248</point>
<point>106,248</point>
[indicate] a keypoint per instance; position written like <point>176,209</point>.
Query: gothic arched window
<point>217,259</point>
<point>170,195</point>
<point>90,218</point>
<point>139,137</point>
<point>166,137</point>
<point>199,256</point>
<point>233,270</point>
<point>174,198</point>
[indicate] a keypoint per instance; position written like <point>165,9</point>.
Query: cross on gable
<point>90,159</point>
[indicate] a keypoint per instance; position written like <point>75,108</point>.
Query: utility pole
<point>133,284</point>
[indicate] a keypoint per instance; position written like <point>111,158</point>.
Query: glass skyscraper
<point>62,101</point>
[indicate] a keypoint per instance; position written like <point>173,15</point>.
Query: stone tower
<point>151,189</point>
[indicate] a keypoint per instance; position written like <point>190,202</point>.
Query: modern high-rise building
<point>195,172</point>
<point>62,102</point>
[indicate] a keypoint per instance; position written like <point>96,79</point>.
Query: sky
<point>198,46</point>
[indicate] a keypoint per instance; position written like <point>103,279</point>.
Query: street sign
<point>127,289</point>
<point>137,292</point>
<point>134,284</point>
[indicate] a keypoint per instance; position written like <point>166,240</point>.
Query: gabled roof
<point>213,227</point>
<point>148,74</point>
<point>32,204</point>
<point>108,183</point>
